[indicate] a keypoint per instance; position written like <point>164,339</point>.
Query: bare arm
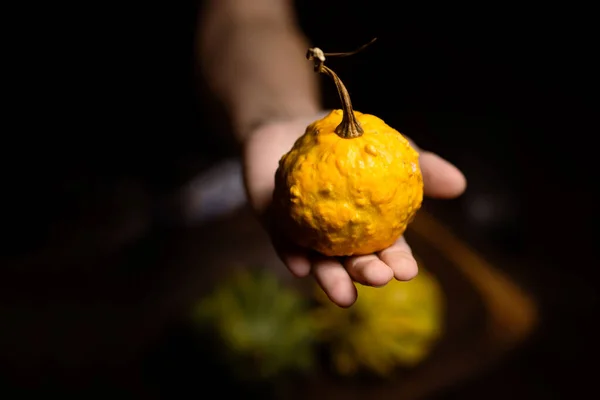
<point>251,52</point>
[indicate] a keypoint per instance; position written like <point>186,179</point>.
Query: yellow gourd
<point>389,327</point>
<point>351,184</point>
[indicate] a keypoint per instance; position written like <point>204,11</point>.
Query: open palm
<point>262,152</point>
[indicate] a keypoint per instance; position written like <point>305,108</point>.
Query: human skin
<point>250,52</point>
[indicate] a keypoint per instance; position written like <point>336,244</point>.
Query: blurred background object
<point>99,278</point>
<point>389,327</point>
<point>261,328</point>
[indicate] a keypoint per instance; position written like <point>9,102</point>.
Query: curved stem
<point>349,127</point>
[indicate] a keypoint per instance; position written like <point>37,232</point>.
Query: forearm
<point>251,52</point>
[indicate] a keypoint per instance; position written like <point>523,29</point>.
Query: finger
<point>369,270</point>
<point>335,281</point>
<point>294,258</point>
<point>400,259</point>
<point>441,179</point>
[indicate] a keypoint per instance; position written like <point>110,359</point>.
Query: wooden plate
<point>141,293</point>
<point>487,316</point>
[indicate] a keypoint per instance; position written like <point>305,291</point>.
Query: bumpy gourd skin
<point>344,197</point>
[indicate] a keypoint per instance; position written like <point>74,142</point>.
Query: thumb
<point>441,179</point>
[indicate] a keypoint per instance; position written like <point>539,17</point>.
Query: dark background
<point>507,94</point>
<point>112,123</point>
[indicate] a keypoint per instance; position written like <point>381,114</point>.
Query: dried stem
<point>349,127</point>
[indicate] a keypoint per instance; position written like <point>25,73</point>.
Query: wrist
<point>280,129</point>
<point>277,120</point>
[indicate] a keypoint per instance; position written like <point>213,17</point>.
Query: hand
<point>262,152</point>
